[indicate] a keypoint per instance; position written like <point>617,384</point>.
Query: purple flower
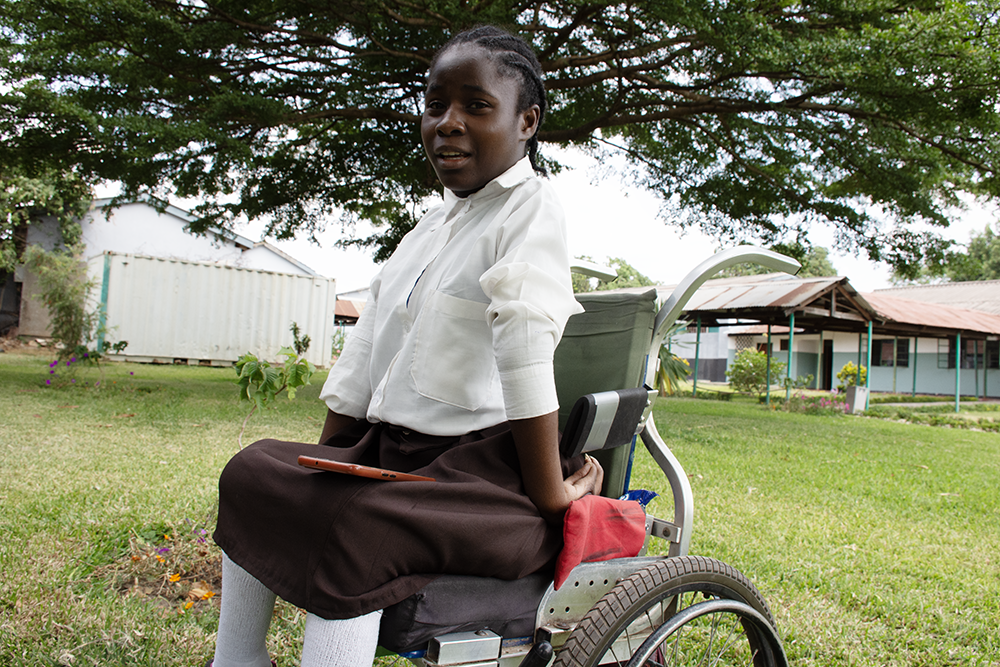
<point>97,383</point>
<point>51,372</point>
<point>163,550</point>
<point>48,382</point>
<point>72,358</point>
<point>85,355</point>
<point>54,363</point>
<point>73,380</point>
<point>131,373</point>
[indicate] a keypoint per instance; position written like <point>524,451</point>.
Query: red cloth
<point>597,528</point>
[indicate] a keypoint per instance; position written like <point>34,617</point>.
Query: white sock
<point>247,607</point>
<point>350,642</point>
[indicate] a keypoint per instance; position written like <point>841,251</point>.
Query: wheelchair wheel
<point>678,611</point>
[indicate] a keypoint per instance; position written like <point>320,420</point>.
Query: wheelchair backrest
<point>603,349</point>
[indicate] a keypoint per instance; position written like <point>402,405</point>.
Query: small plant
<point>815,405</point>
<point>301,344</point>
<point>673,370</point>
<point>80,356</point>
<point>748,372</point>
<point>63,283</point>
<point>848,376</point>
<point>801,382</point>
<point>260,382</point>
<point>339,338</point>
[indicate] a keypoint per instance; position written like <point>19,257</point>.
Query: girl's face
<point>471,129</point>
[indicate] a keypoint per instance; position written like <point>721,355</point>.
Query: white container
<point>857,399</point>
<point>176,311</point>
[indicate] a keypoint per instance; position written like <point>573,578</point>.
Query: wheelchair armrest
<point>606,420</point>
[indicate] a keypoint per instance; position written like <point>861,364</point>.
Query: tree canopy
<point>628,276</point>
<point>977,260</point>
<point>752,119</point>
<point>24,198</point>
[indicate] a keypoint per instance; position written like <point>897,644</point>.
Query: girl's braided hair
<point>514,57</point>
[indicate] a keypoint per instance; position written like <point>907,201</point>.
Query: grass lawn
<point>876,542</point>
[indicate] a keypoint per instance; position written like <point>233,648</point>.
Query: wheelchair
<point>647,610</point>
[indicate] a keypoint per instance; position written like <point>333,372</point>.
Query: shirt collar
<point>520,172</point>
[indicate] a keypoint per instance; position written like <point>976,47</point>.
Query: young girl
<point>448,374</point>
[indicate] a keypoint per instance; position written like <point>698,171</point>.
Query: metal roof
<point>983,295</point>
<point>829,304</point>
<point>924,317</point>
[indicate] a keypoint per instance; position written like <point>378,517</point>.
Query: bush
<point>62,279</point>
<point>748,372</point>
<point>848,376</point>
<point>815,405</point>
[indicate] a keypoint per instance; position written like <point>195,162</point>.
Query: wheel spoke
<point>693,612</point>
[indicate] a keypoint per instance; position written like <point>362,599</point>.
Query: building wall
<point>713,352</point>
<point>930,379</point>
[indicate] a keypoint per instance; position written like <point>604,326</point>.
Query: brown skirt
<point>342,546</point>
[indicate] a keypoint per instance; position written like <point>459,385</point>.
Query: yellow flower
<point>175,577</point>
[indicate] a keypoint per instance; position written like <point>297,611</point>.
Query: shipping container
<point>176,311</point>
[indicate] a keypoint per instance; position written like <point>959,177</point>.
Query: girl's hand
<point>588,479</point>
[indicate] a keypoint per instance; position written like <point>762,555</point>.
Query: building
<point>178,296</point>
<point>817,325</point>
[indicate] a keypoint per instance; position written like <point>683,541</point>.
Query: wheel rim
<point>694,629</point>
<point>714,632</point>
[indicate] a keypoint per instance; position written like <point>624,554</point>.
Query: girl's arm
<point>334,423</point>
<point>537,443</point>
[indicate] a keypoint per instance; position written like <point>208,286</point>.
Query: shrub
<point>63,283</point>
<point>748,372</point>
<point>848,376</point>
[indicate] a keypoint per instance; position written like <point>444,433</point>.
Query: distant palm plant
<point>673,369</point>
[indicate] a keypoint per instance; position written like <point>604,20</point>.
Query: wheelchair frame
<point>595,611</point>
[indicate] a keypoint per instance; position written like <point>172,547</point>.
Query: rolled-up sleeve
<point>531,299</point>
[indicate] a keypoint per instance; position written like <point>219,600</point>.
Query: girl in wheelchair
<point>448,375</point>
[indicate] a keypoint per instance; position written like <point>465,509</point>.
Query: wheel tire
<point>678,600</point>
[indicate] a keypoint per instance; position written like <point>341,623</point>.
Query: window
<point>992,354</point>
<point>743,342</point>
<point>766,348</point>
<point>972,353</point>
<point>946,353</point>
<point>783,345</point>
<point>975,353</point>
<point>882,352</point>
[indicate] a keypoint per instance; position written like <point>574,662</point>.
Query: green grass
<point>876,542</point>
<point>91,481</point>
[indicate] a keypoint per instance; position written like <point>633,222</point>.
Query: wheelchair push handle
<point>674,305</point>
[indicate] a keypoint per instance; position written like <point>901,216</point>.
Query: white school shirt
<point>463,319</point>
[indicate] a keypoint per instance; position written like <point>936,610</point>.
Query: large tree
<point>25,198</point>
<point>751,118</point>
<point>977,260</point>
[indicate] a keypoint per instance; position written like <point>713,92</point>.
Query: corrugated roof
<point>780,292</point>
<point>347,308</point>
<point>983,295</point>
<point>828,303</point>
<point>932,315</point>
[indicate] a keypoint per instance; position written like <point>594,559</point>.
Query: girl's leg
<point>350,642</point>
<point>247,606</point>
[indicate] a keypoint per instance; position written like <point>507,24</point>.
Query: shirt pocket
<point>453,359</point>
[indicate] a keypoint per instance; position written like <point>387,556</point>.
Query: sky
<point>605,219</point>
